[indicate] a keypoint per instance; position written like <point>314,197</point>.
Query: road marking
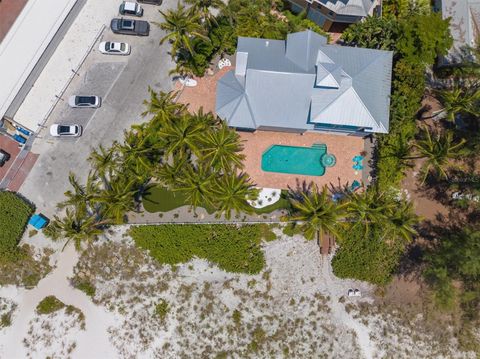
<point>104,98</point>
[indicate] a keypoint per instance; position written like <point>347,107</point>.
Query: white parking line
<point>104,98</point>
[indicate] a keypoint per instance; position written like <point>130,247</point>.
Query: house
<point>335,15</point>
<point>304,84</point>
<point>464,26</point>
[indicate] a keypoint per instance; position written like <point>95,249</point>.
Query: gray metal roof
<point>349,7</point>
<point>296,83</point>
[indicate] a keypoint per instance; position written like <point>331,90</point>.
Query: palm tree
<point>162,106</point>
<point>370,207</point>
<point>181,25</point>
<point>141,151</point>
<point>104,162</point>
<point>438,152</point>
<point>202,7</point>
<point>231,193</point>
<point>318,214</point>
<point>220,149</point>
<point>402,222</point>
<point>196,184</point>
<point>81,196</point>
<point>75,226</point>
<point>168,173</point>
<point>458,100</point>
<point>117,200</point>
<point>182,136</point>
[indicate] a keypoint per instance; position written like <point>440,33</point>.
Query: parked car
<point>130,27</point>
<point>4,157</point>
<point>114,48</point>
<point>131,8</point>
<point>84,101</point>
<point>57,130</point>
<point>151,2</point>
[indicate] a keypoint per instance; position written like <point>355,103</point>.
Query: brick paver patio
<point>343,147</point>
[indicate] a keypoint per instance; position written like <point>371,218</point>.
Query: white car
<point>57,130</point>
<point>84,101</point>
<point>114,48</point>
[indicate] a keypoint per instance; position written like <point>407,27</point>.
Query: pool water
<point>294,160</point>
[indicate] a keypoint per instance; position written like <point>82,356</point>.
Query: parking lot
<point>122,82</point>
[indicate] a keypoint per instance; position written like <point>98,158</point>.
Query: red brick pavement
<point>10,146</point>
<point>9,11</point>
<point>23,171</point>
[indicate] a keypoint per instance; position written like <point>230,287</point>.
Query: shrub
<point>367,258</point>
<point>233,248</point>
<point>49,305</point>
<point>15,213</point>
<point>162,309</point>
<point>87,288</point>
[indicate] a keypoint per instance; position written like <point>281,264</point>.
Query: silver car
<point>84,101</point>
<point>57,130</point>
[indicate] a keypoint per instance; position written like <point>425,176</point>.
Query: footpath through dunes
<point>91,343</point>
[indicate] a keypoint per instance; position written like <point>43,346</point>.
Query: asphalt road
<point>122,82</point>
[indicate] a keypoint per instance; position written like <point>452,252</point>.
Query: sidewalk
<point>68,55</point>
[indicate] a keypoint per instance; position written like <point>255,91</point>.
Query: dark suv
<point>130,27</point>
<point>4,157</point>
<point>151,2</point>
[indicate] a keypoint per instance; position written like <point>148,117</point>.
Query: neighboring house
<point>304,84</point>
<point>335,14</point>
<point>464,26</point>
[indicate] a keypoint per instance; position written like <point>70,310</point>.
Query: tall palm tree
<point>202,7</point>
<point>231,193</point>
<point>141,151</point>
<point>182,136</point>
<point>168,173</point>
<point>162,106</point>
<point>220,149</point>
<point>438,151</point>
<point>181,25</point>
<point>318,214</point>
<point>76,227</point>
<point>402,222</point>
<point>80,197</point>
<point>104,162</point>
<point>117,200</point>
<point>196,183</point>
<point>370,207</point>
<point>460,100</point>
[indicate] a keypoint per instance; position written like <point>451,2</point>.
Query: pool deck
<point>343,147</point>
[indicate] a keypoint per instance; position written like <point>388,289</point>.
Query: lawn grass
<point>161,199</point>
<point>49,305</point>
<point>14,215</point>
<point>233,248</point>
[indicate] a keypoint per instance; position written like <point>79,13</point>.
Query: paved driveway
<point>122,82</point>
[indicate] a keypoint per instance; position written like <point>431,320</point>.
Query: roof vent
<point>267,43</point>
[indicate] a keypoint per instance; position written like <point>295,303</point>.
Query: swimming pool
<point>294,160</point>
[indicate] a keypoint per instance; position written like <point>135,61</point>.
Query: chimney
<point>241,66</point>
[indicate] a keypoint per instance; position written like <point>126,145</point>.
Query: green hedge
<point>232,248</point>
<point>14,215</point>
<point>368,258</point>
